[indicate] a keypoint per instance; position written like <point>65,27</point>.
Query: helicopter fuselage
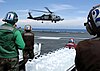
<point>46,17</point>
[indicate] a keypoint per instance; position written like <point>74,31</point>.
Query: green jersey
<point>10,41</point>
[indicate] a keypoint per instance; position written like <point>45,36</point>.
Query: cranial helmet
<point>11,17</point>
<point>93,21</point>
<point>27,28</point>
<point>71,40</point>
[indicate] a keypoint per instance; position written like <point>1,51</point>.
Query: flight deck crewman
<point>71,44</point>
<point>28,37</point>
<point>10,41</point>
<point>88,51</point>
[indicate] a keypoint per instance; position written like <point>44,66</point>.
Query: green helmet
<point>11,17</point>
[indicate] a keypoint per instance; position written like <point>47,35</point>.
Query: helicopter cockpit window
<point>46,17</point>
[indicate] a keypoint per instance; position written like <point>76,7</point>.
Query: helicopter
<point>48,16</point>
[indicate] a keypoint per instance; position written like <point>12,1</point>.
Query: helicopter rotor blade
<point>40,11</point>
<point>48,10</point>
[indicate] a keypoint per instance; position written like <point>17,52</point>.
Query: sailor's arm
<point>19,40</point>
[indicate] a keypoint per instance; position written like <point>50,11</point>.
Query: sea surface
<point>52,41</point>
<point>59,30</point>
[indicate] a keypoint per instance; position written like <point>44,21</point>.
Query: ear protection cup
<point>89,25</point>
<point>89,29</point>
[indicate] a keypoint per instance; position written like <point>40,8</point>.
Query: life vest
<point>70,45</point>
<point>88,55</point>
<point>28,38</point>
<point>7,42</point>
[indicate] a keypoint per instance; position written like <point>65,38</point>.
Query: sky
<point>74,12</point>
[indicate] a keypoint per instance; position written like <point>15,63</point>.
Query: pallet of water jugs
<point>59,60</point>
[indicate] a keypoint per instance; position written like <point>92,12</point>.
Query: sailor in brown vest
<point>28,37</point>
<point>28,52</point>
<point>88,51</point>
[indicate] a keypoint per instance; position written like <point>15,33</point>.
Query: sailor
<point>21,30</point>
<point>10,41</point>
<point>71,43</point>
<point>28,36</point>
<point>88,51</point>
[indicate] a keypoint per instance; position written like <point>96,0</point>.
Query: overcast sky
<point>74,12</point>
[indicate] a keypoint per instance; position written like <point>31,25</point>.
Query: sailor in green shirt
<point>10,41</point>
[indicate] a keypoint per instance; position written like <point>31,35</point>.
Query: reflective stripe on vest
<point>6,28</point>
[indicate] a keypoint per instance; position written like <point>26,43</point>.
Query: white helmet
<point>27,28</point>
<point>93,21</point>
<point>71,40</point>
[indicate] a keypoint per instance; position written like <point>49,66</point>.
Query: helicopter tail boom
<point>62,19</point>
<point>30,16</point>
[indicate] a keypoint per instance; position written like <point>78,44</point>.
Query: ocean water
<point>52,41</point>
<point>59,30</point>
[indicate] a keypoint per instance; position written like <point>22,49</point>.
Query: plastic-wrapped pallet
<point>37,49</point>
<point>20,55</point>
<point>60,60</point>
<point>30,65</point>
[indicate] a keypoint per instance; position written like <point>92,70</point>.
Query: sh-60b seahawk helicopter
<point>50,16</point>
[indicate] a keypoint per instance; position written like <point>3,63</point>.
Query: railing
<point>72,68</point>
